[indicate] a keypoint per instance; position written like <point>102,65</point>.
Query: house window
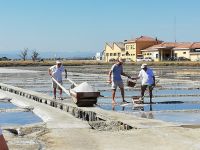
<point>111,54</point>
<point>107,54</point>
<point>115,54</point>
<point>118,54</point>
<point>156,55</point>
<point>184,52</point>
<point>127,54</point>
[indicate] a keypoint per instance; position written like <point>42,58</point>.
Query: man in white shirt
<point>148,81</point>
<point>56,72</point>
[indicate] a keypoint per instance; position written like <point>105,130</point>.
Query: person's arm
<point>138,77</point>
<point>109,76</point>
<point>50,72</point>
<point>124,74</point>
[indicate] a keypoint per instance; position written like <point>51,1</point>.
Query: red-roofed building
<point>148,47</point>
<point>133,47</point>
<point>168,50</point>
<point>128,50</point>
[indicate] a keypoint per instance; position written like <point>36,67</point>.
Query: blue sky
<point>53,26</point>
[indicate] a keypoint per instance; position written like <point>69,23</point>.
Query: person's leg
<point>150,93</point>
<point>113,87</point>
<point>113,96</point>
<point>54,85</point>
<point>61,94</point>
<point>122,93</point>
<point>121,86</point>
<point>60,90</point>
<point>54,92</point>
<point>143,89</point>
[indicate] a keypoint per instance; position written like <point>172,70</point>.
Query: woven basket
<point>131,83</point>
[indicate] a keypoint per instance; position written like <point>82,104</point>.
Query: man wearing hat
<point>148,81</point>
<point>56,72</point>
<point>116,72</point>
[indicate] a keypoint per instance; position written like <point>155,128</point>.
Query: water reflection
<point>115,108</point>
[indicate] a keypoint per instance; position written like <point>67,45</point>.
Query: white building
<point>98,56</point>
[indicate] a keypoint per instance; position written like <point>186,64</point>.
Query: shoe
<point>139,102</point>
<point>124,102</point>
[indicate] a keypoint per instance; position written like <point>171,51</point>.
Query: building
<point>195,51</point>
<point>159,52</point>
<point>148,47</point>
<point>113,51</point>
<point>133,47</point>
<point>128,50</point>
<point>167,50</point>
<point>98,56</point>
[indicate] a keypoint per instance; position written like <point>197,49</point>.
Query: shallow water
<point>18,118</point>
<point>150,107</point>
<point>180,117</point>
<point>177,83</point>
<point>7,105</point>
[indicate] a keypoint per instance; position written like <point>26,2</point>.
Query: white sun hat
<point>58,62</point>
<point>143,66</point>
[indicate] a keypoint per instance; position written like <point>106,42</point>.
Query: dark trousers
<point>143,89</point>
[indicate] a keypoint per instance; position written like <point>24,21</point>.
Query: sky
<point>81,27</point>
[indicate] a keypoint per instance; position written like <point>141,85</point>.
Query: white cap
<point>143,66</point>
<point>58,62</point>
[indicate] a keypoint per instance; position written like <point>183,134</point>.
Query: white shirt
<point>57,72</point>
<point>146,76</point>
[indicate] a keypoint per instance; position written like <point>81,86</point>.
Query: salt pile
<point>84,87</point>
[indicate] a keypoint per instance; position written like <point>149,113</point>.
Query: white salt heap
<point>84,87</point>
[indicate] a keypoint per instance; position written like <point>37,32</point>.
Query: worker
<point>116,79</point>
<point>56,73</point>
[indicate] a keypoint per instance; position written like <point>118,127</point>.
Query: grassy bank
<point>92,62</point>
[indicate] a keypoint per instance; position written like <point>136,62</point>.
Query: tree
<point>23,54</point>
<point>35,55</point>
